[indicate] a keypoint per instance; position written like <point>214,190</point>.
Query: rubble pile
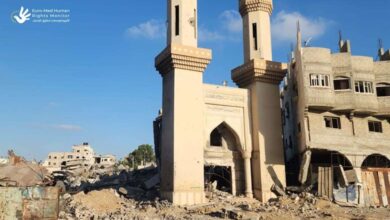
<point>22,173</point>
<point>95,193</point>
<point>117,204</point>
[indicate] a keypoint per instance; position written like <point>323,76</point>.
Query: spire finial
<point>340,36</point>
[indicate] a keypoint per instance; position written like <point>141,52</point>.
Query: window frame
<point>319,80</point>
<point>364,87</point>
<point>331,121</point>
<point>376,126</point>
<point>341,78</point>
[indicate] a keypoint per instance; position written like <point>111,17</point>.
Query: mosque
<point>282,118</point>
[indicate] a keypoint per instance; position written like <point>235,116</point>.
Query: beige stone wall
<point>353,139</point>
<point>267,158</point>
<point>182,137</point>
<point>228,107</point>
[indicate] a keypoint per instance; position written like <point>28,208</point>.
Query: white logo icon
<point>23,16</point>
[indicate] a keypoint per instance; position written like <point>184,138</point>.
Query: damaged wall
<point>29,203</point>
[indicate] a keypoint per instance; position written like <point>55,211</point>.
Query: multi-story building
<point>336,113</point>
<point>83,153</point>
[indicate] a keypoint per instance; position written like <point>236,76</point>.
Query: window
<point>383,89</point>
<point>375,126</point>
<point>319,80</point>
<point>287,107</point>
<point>49,163</point>
<point>254,34</point>
<point>177,20</point>
<point>341,83</point>
<point>77,157</point>
<point>216,138</point>
<point>49,157</point>
<point>55,157</point>
<point>78,151</point>
<point>363,87</point>
<point>70,157</point>
<point>332,122</point>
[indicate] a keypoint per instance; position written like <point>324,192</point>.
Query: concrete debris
<point>278,190</point>
<point>152,182</point>
<point>22,173</point>
<point>304,169</point>
<point>121,194</point>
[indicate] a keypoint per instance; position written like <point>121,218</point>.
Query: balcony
<point>344,100</point>
<point>320,98</point>
<point>384,106</point>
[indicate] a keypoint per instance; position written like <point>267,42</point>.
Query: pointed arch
<point>225,136</point>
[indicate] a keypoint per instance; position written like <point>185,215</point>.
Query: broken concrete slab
<point>343,181</point>
<point>278,190</point>
<point>351,176</point>
<point>152,182</point>
<point>304,169</point>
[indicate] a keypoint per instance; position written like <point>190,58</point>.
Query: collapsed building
<point>328,128</point>
<point>336,123</point>
<point>81,154</point>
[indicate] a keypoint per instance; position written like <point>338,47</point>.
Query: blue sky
<point>93,79</point>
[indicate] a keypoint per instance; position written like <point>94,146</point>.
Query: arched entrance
<point>376,161</point>
<point>224,165</point>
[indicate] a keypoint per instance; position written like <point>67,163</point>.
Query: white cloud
<point>151,29</point>
<point>231,20</point>
<point>284,26</point>
<point>66,127</point>
<point>207,35</point>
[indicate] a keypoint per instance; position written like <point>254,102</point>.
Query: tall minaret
<point>257,29</point>
<point>261,76</point>
<point>181,66</point>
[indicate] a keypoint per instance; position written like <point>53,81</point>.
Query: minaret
<point>181,65</point>
<point>257,29</point>
<point>261,76</point>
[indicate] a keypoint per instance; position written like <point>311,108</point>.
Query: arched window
<point>216,138</point>
<point>342,83</point>
<point>383,89</point>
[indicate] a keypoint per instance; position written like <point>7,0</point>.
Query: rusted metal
<point>29,203</point>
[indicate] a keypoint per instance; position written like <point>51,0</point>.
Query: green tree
<point>143,154</point>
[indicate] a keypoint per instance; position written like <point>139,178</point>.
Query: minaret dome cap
<point>247,6</point>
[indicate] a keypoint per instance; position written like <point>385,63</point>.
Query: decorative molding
<point>259,70</point>
<point>225,97</point>
<point>247,6</point>
<point>182,57</point>
<point>224,109</point>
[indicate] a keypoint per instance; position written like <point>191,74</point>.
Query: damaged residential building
<point>336,123</point>
<point>81,154</point>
